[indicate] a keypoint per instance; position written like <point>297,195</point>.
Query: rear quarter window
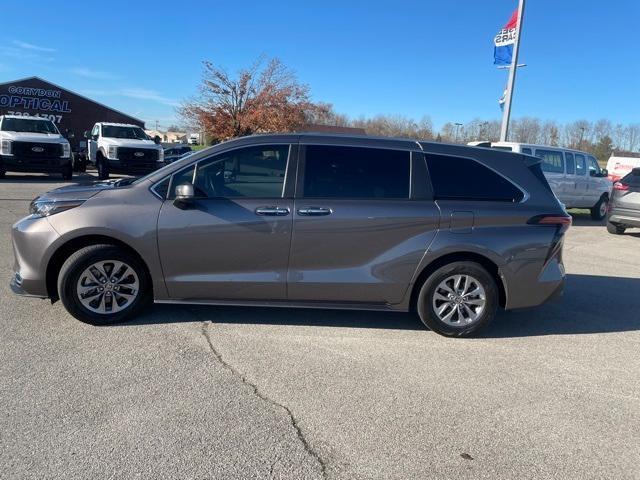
<point>459,178</point>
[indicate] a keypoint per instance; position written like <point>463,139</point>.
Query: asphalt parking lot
<point>210,392</point>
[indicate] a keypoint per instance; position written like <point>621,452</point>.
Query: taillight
<point>620,186</point>
<point>563,222</point>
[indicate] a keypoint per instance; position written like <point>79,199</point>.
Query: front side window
<point>355,172</point>
<point>593,165</point>
<point>252,172</point>
<point>28,126</point>
<point>457,178</point>
<point>130,133</point>
<point>552,161</point>
<point>581,164</point>
<point>571,163</point>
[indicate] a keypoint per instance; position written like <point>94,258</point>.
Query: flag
<point>503,99</point>
<point>503,50</point>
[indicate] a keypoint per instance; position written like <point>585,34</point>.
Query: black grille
<point>36,150</point>
<point>137,155</point>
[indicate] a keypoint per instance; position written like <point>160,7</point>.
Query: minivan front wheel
<point>599,210</point>
<point>458,299</point>
<point>103,284</point>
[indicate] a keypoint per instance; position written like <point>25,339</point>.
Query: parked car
<point>306,220</point>
<point>575,177</point>
<point>624,208</point>
<point>173,153</point>
<point>33,144</point>
<point>618,166</point>
<point>122,148</point>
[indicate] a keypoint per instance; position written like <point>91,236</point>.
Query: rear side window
<point>632,179</point>
<point>552,161</point>
<point>456,178</point>
<point>354,172</point>
<point>526,150</point>
<point>571,163</point>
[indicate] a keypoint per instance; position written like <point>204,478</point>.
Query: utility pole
<point>506,116</point>
<point>458,125</point>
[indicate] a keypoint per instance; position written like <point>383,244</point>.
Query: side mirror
<point>185,196</point>
<point>604,172</point>
<point>86,134</point>
<point>156,140</point>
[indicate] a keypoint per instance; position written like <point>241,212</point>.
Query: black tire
<point>67,173</point>
<point>3,173</point>
<point>597,211</point>
<point>102,165</point>
<point>426,309</point>
<point>615,229</point>
<point>76,264</point>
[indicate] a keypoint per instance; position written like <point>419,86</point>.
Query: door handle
<point>314,211</point>
<point>272,211</point>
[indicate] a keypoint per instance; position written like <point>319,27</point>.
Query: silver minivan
<point>575,177</point>
<point>307,220</point>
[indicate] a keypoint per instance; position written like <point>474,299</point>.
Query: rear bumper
<point>527,290</point>
<point>624,216</point>
<point>13,163</point>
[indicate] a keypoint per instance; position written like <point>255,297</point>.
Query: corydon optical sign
<point>46,103</point>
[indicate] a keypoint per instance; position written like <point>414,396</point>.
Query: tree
<point>602,150</point>
<point>265,97</point>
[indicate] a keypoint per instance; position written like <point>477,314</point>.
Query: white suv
<point>122,148</point>
<point>574,176</point>
<point>33,144</point>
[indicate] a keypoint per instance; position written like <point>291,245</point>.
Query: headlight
<point>161,155</point>
<point>5,148</point>
<point>112,152</point>
<point>44,208</point>
<point>66,150</point>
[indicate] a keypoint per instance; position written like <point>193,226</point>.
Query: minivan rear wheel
<point>458,299</point>
<point>103,284</point>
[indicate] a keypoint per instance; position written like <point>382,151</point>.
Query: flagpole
<point>506,114</point>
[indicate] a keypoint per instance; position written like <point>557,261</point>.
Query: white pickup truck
<point>33,144</point>
<point>122,148</point>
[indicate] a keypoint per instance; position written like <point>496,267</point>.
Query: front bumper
<point>31,239</point>
<point>13,163</point>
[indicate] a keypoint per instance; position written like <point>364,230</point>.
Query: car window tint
<point>632,179</point>
<point>571,163</point>
<point>526,151</point>
<point>581,166</point>
<point>456,178</point>
<point>256,172</point>
<point>552,160</point>
<point>354,172</point>
<point>162,188</point>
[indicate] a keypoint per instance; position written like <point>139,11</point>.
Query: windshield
<point>28,125</point>
<point>132,133</point>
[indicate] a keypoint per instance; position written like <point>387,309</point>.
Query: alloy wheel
<point>459,300</point>
<point>108,286</point>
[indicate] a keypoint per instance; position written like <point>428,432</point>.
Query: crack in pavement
<point>294,423</point>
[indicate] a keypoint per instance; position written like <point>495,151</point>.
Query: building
<point>69,110</point>
<point>168,136</point>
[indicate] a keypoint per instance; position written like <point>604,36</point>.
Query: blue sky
<point>405,57</point>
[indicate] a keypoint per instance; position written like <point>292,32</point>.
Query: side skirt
<point>285,304</point>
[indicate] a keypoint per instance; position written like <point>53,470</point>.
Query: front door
<point>582,182</point>
<point>358,235</point>
<point>233,241</point>
<point>92,143</point>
